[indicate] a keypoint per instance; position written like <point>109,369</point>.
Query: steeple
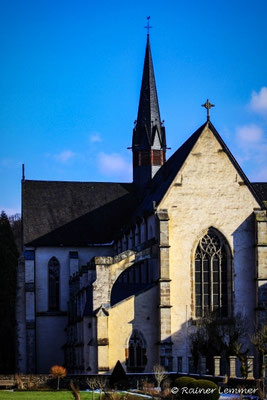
<point>149,142</point>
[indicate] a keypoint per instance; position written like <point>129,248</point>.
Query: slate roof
<point>84,213</point>
<point>261,189</point>
<point>166,174</point>
<point>74,213</point>
<point>148,117</point>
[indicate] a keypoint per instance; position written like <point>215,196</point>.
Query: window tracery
<point>211,275</point>
<point>136,353</point>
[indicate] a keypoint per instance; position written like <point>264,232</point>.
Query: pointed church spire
<point>149,143</point>
<point>148,111</point>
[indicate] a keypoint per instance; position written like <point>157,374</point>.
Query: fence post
<point>232,366</point>
<point>217,365</point>
<point>250,365</point>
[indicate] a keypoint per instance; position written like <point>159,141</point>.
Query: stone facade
<point>210,196</point>
<point>207,192</point>
<point>136,297</point>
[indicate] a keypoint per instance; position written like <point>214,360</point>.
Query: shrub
<point>206,384</point>
<point>118,377</point>
<point>19,382</point>
<point>185,382</point>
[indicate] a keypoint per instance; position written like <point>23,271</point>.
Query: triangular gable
<point>167,173</point>
<point>156,141</point>
<point>236,165</point>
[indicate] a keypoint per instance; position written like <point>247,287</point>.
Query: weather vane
<point>208,106</point>
<point>148,26</point>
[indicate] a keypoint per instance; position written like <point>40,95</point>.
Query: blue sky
<point>70,77</point>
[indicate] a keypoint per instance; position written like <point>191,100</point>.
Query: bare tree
<point>91,382</point>
<point>97,382</point>
<point>160,374</point>
<point>19,382</point>
<point>259,339</point>
<point>101,382</point>
<point>213,336</point>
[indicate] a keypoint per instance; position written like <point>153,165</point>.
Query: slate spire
<point>149,142</point>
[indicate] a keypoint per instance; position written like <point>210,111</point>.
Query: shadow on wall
<point>244,270</point>
<point>142,349</point>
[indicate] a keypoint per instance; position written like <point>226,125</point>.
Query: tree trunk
<point>75,391</point>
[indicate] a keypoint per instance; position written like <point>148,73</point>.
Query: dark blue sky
<point>70,77</point>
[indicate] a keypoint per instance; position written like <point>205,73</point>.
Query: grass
<point>34,395</point>
<point>53,395</point>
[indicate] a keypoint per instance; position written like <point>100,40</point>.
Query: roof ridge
<point>85,182</point>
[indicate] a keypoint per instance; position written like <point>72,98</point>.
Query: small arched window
<point>53,284</point>
<point>136,353</point>
<point>212,275</point>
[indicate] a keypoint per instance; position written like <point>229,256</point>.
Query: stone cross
<point>208,106</point>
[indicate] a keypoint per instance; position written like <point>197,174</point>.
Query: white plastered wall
<point>50,334</point>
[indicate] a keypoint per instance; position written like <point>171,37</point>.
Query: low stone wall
<point>46,381</point>
<point>31,381</point>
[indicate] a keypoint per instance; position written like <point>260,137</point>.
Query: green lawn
<point>64,395</point>
<point>61,395</point>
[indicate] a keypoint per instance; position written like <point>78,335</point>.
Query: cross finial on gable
<point>208,106</point>
<point>148,26</point>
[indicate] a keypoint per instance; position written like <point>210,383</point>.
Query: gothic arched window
<point>212,275</point>
<point>136,353</point>
<point>53,284</point>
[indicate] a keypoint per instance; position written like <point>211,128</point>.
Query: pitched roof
<point>84,213</point>
<point>166,174</point>
<point>261,189</point>
<point>74,213</point>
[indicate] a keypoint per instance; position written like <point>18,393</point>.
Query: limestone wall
<point>261,259</point>
<point>207,192</point>
<point>137,312</point>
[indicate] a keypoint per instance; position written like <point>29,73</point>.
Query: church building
<point>122,271</point>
